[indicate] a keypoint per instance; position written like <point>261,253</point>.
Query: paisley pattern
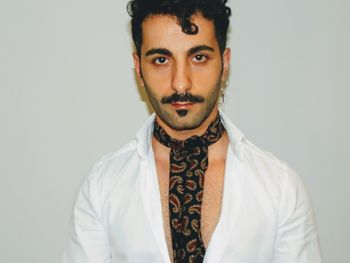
<point>188,163</point>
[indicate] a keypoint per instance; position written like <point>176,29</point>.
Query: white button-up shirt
<point>266,214</point>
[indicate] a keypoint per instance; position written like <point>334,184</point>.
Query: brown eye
<point>160,60</point>
<point>200,58</point>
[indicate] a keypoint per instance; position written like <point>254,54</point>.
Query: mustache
<point>187,97</point>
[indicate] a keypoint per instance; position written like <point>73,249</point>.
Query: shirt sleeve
<point>87,239</point>
<point>297,237</point>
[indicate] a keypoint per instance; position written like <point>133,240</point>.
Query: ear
<point>226,58</point>
<point>137,65</point>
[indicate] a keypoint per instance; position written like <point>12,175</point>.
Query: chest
<point>211,204</point>
<point>136,214</point>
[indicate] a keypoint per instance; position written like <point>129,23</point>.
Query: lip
<point>182,105</point>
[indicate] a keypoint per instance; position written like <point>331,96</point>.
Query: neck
<point>183,135</point>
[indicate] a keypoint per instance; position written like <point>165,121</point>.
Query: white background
<point>68,96</point>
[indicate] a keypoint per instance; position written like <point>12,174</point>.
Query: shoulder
<point>106,172</point>
<point>121,166</point>
<point>272,176</point>
<point>114,160</point>
<point>266,163</point>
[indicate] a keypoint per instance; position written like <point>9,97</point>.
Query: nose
<point>181,78</point>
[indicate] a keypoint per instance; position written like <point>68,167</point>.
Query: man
<point>190,187</point>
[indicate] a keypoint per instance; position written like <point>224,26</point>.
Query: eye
<point>160,60</point>
<point>200,58</point>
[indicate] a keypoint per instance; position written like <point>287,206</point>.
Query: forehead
<point>163,31</point>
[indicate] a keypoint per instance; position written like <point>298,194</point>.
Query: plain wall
<point>68,96</point>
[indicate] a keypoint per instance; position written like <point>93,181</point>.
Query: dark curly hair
<point>214,10</point>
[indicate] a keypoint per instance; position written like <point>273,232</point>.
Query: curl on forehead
<point>183,10</point>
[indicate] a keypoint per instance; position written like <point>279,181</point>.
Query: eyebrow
<point>160,51</point>
<point>166,52</point>
<point>198,49</point>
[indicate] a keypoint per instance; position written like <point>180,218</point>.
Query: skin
<point>174,62</point>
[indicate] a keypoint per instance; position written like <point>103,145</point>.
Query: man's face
<point>173,62</point>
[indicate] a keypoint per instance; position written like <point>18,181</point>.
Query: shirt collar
<point>144,136</point>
